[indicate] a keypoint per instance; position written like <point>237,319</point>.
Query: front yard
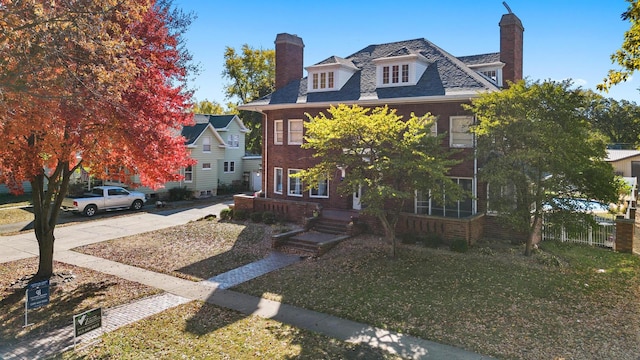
<point>566,301</point>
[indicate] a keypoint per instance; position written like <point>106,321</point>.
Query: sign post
<point>86,322</point>
<point>37,295</point>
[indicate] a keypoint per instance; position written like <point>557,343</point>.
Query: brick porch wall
<point>471,229</point>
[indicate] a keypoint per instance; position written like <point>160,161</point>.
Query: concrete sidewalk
<point>180,290</point>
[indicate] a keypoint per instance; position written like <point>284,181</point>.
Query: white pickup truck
<point>105,198</point>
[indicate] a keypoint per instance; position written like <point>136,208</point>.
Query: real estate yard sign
<point>37,295</point>
<point>87,321</point>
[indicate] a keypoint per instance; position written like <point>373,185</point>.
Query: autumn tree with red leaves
<point>92,83</point>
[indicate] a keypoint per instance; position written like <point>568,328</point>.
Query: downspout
<point>475,176</point>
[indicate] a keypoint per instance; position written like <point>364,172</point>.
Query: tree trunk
<point>45,263</point>
<point>389,231</point>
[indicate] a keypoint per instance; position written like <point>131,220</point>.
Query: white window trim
<point>289,178</point>
<point>451,144</point>
<point>289,141</point>
<point>315,78</point>
<point>320,196</point>
<point>206,141</point>
<point>233,141</point>
<point>275,180</point>
<point>275,132</point>
<point>206,168</point>
<point>185,175</point>
<point>227,165</point>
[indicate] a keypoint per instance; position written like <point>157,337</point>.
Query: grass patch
<point>195,251</point>
<point>495,302</point>
<point>76,290</point>
<point>203,331</point>
<point>15,215</point>
<point>566,301</point>
<point>9,200</point>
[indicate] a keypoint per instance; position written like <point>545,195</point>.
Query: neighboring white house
<point>217,143</point>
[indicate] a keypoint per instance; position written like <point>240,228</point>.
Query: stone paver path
<point>276,260</point>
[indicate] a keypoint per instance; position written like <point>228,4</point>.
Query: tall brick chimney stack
<point>289,54</point>
<point>511,32</point>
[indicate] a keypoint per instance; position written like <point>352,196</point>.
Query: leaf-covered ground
<point>203,331</point>
<point>570,302</point>
<point>195,251</point>
<point>72,291</point>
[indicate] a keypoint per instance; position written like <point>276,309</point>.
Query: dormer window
<point>402,68</point>
<point>399,74</point>
<point>330,74</point>
<point>323,81</point>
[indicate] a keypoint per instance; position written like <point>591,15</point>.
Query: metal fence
<point>602,234</point>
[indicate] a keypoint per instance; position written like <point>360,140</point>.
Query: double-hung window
<point>295,132</point>
<point>188,174</point>
<point>233,141</point>
<point>277,180</point>
<point>294,183</point>
<point>459,134</point>
<point>206,144</point>
<point>322,190</point>
<point>278,131</point>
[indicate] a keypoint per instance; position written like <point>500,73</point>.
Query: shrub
<point>179,193</point>
<point>256,217</point>
<point>432,240</point>
<point>268,217</point>
<point>241,215</point>
<point>226,214</point>
<point>409,238</point>
<point>459,245</point>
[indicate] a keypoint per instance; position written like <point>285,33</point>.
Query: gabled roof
<point>617,155</point>
<point>217,123</point>
<point>445,77</point>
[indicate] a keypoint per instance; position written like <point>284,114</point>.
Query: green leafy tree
<point>619,121</point>
<point>628,57</point>
<point>208,107</point>
<point>539,154</point>
<point>388,156</point>
<point>251,75</point>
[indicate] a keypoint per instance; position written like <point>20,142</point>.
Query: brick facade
<point>293,157</point>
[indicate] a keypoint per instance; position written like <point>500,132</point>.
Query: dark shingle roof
<point>480,59</point>
<point>219,122</point>
<point>191,133</point>
<point>445,75</point>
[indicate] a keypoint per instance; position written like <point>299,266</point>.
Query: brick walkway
<point>60,340</point>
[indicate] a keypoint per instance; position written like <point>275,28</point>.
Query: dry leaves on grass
<point>195,251</point>
<point>504,304</point>
<point>82,290</point>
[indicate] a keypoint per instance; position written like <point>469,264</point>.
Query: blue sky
<point>562,39</point>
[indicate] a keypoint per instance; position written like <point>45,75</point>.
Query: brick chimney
<point>289,53</point>
<point>511,31</point>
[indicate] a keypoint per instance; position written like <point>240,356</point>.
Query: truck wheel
<point>137,205</point>
<point>90,210</point>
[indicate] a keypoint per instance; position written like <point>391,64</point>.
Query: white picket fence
<point>603,234</point>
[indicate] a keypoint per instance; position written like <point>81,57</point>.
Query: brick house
<point>410,76</point>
